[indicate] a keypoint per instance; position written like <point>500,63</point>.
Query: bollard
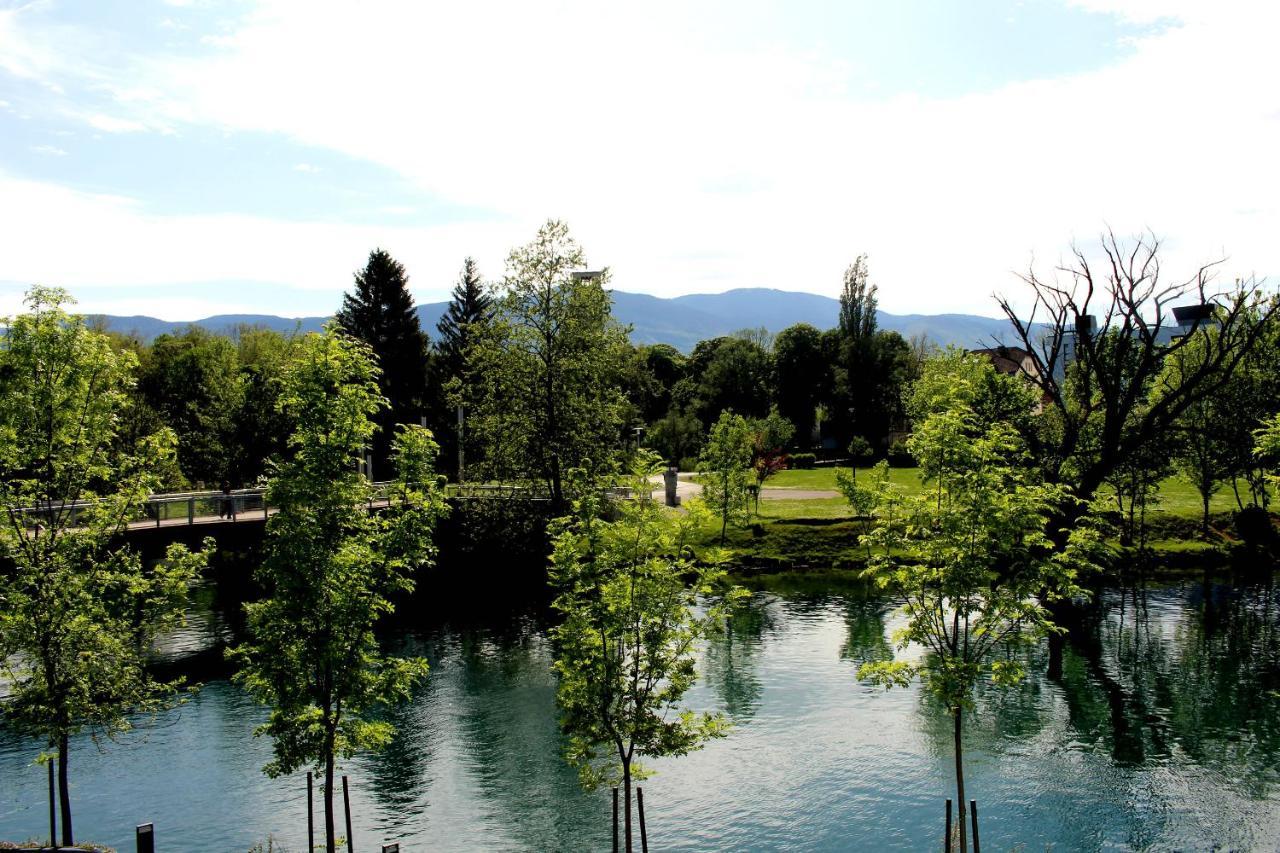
<point>311,829</point>
<point>946,839</point>
<point>146,833</point>
<point>644,836</point>
<point>391,848</point>
<point>346,807</point>
<point>973,813</point>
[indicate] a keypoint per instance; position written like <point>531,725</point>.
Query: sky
<point>182,158</point>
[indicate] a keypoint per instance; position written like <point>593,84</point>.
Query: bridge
<point>240,506</point>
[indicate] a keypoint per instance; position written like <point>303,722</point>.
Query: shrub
<point>688,463</point>
<point>860,451</point>
<point>900,457</point>
<point>802,460</point>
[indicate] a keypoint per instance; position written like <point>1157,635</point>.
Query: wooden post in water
<point>146,837</point>
<point>973,813</point>
<point>311,827</point>
<point>644,836</point>
<point>191,510</point>
<point>946,838</point>
<point>53,814</point>
<point>615,820</point>
<point>346,807</point>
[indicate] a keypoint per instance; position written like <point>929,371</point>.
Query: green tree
<point>676,437</point>
<point>332,566</point>
<point>863,499</point>
<point>803,378</point>
<point>769,439</point>
<point>470,306</point>
<point>80,610</point>
<point>193,382</point>
<point>381,313</point>
<point>261,429</point>
<point>969,555</point>
<point>1095,383</point>
<point>470,310</point>
<point>629,592</point>
<point>730,374</point>
<point>725,468</point>
<point>548,367</point>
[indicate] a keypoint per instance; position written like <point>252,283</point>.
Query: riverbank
<point>803,524</point>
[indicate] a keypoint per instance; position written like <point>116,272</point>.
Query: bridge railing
<point>244,504</point>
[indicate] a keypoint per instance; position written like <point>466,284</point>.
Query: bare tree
<point>1112,319</point>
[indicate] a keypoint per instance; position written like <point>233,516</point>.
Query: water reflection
<point>730,660</point>
<point>1163,731</point>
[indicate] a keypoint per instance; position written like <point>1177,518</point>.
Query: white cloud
<point>690,163</point>
<point>306,167</point>
<point>114,124</point>
<point>113,232</point>
<point>49,150</point>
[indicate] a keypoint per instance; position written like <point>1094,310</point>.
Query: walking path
<point>686,488</point>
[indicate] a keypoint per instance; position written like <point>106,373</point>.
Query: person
<point>226,511</point>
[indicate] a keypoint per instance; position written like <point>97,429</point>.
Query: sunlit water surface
<point>1162,733</point>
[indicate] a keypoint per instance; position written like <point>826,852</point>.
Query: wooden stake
<point>311,827</point>
<point>644,836</point>
<point>946,839</point>
<point>53,814</point>
<point>346,806</point>
<point>615,820</point>
<point>973,813</point>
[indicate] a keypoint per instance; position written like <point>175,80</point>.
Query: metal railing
<point>203,507</point>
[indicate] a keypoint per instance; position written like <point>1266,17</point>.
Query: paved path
<point>686,488</point>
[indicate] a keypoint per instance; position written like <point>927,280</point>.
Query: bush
<point>1253,525</point>
<point>688,463</point>
<point>860,451</point>
<point>900,457</point>
<point>802,460</point>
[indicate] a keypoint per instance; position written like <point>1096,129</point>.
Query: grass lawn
<point>820,532</point>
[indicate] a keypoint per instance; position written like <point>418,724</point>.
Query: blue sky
<point>180,158</point>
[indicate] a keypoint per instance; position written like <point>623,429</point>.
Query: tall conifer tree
<point>381,313</point>
<point>469,306</point>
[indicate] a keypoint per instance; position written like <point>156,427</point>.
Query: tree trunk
<point>724,525</point>
<point>64,795</point>
<point>626,784</point>
<point>1204,497</point>
<point>960,782</point>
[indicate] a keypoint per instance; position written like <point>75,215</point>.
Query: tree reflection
<point>1187,671</point>
<point>865,641</point>
<point>730,661</point>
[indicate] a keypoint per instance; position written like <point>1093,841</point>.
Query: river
<point>1163,732</point>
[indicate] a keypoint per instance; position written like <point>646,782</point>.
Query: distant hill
<point>681,321</point>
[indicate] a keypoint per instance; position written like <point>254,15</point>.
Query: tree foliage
<point>79,609</point>
<point>332,567</point>
<point>193,381</point>
<point>725,466</point>
<point>548,367</point>
<point>1096,379</point>
<point>969,557</point>
<point>380,312</point>
<point>629,590</point>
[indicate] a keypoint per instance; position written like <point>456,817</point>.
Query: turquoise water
<point>1163,732</point>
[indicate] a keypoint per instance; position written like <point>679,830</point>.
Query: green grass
<point>825,478</point>
<point>813,532</point>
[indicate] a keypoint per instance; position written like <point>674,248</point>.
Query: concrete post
<point>670,479</point>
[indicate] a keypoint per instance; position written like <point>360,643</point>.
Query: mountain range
<point>681,321</point>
